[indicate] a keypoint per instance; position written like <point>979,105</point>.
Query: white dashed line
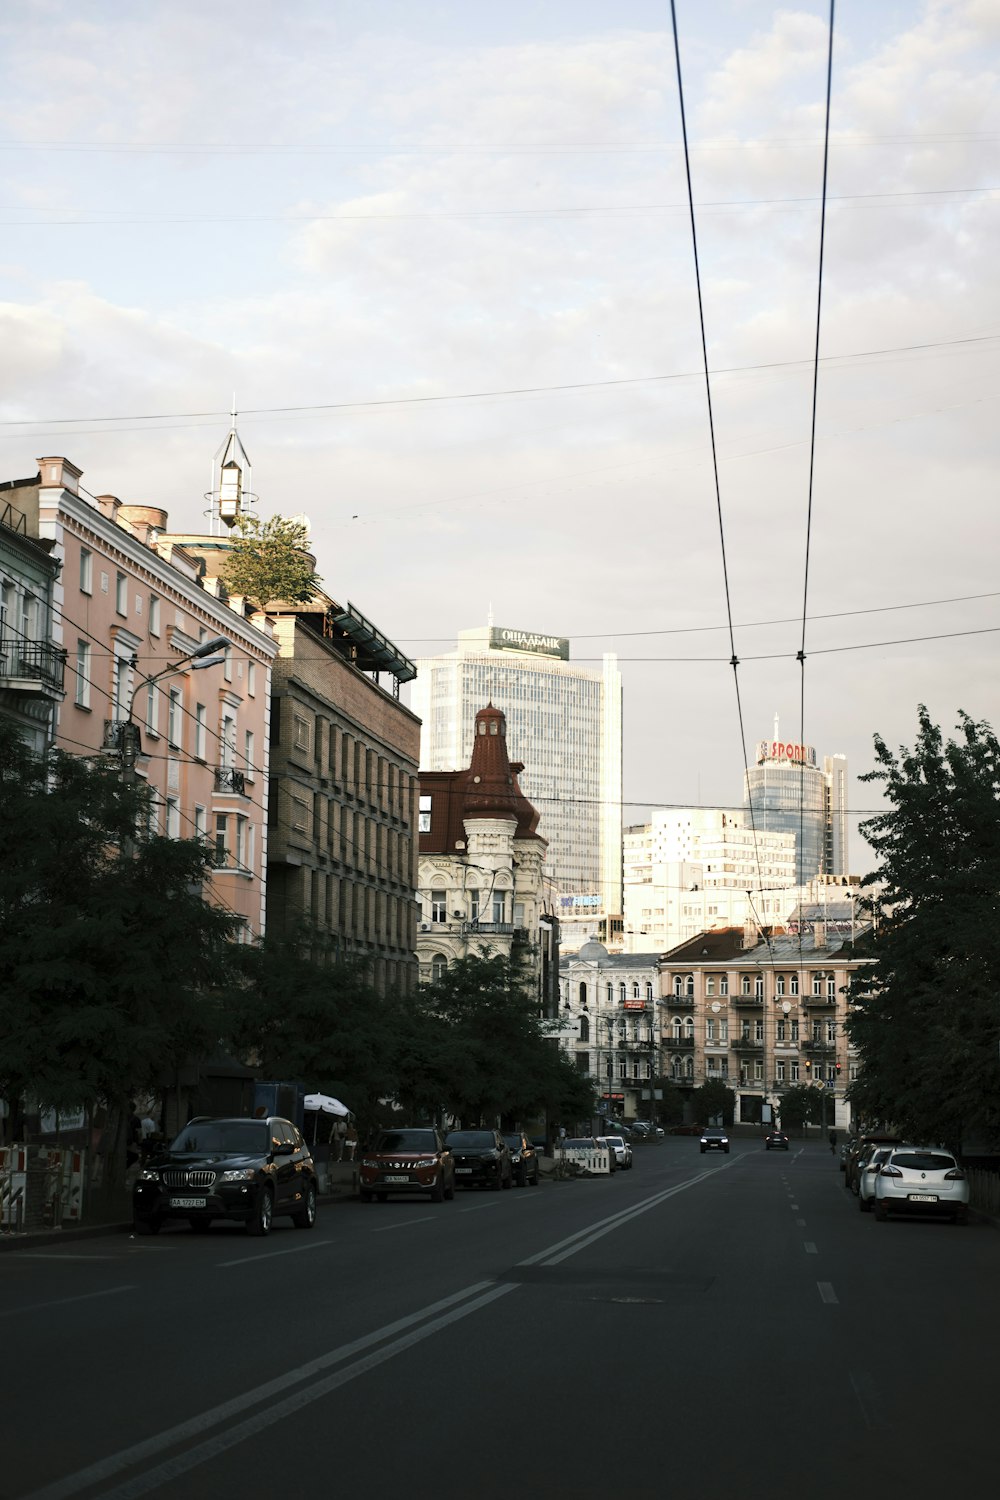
<point>826,1292</point>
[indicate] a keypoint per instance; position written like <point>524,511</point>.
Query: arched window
<point>611,993</point>
<point>649,991</point>
<point>583,992</point>
<point>438,965</point>
<point>758,986</point>
<point>744,984</point>
<point>621,992</point>
<point>677,1026</point>
<point>585,1028</point>
<point>635,989</point>
<point>689,985</point>
<point>689,1028</point>
<point>817,984</point>
<point>779,988</point>
<point>689,1068</point>
<point>831,987</point>
<point>678,985</point>
<point>794,985</point>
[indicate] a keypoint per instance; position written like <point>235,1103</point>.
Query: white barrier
<point>595,1161</point>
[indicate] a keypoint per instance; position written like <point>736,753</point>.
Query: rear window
<point>471,1138</point>
<point>924,1161</point>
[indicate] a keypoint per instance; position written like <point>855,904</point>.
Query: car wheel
<point>200,1226</point>
<point>437,1191</point>
<point>306,1216</point>
<point>881,1212</point>
<point>148,1226</point>
<point>259,1222</point>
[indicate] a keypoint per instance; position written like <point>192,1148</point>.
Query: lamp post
<point>208,654</point>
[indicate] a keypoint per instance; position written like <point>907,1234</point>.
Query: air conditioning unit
<point>425,927</point>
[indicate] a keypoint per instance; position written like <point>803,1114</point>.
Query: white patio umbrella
<point>326,1104</point>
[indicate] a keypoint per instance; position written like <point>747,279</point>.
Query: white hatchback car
<point>622,1150</point>
<point>921,1180</point>
<point>867,1176</point>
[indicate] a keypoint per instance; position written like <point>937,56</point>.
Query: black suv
<point>523,1158</point>
<point>713,1139</point>
<point>481,1157</point>
<point>248,1170</point>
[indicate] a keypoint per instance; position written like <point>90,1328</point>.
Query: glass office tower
<point>787,792</point>
<point>564,722</point>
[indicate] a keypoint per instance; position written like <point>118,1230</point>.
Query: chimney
<point>146,522</point>
<point>108,505</point>
<point>60,474</point>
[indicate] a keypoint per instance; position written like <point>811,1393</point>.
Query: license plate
<point>189,1203</point>
<point>395,1179</point>
<point>463,1169</point>
<point>923,1197</point>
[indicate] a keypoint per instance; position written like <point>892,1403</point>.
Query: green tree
<point>300,1013</point>
<point>270,561</point>
<point>472,1045</point>
<point>669,1109</point>
<point>109,959</point>
<point>714,1098</point>
<point>801,1104</point>
<point>926,1019</point>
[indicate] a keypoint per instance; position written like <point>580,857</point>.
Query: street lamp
<point>208,654</point>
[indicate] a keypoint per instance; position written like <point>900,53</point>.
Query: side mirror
<point>284,1148</point>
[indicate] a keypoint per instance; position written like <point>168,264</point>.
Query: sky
<point>441,256</point>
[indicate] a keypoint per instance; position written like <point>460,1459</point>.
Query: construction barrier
<point>13,1184</point>
<point>595,1161</point>
<point>41,1187</point>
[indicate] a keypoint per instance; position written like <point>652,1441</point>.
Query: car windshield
<point>246,1136</point>
<point>579,1140</point>
<point>471,1138</point>
<point>406,1140</point>
<point>614,1140</point>
<point>514,1142</point>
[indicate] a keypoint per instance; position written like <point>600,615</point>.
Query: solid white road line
<point>251,1260</point>
<point>405,1223</point>
<point>826,1292</point>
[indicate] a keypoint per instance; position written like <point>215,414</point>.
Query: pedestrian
<point>350,1141</point>
<point>833,1140</point>
<point>340,1136</point>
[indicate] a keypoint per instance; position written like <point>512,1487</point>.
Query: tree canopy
<point>270,560</point>
<point>926,1015</point>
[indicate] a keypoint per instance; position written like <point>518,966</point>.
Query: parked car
<point>713,1139</point>
<point>776,1140</point>
<point>603,1144</point>
<point>921,1180</point>
<point>523,1158</point>
<point>641,1129</point>
<point>867,1172</point>
<point>622,1150</point>
<point>482,1159</point>
<point>246,1170</point>
<point>408,1159</point>
<point>857,1146</point>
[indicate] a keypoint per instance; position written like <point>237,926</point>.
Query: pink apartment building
<point>129,606</point>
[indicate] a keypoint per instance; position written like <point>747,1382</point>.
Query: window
<point>227,667</point>
<point>240,849</point>
<point>173,820</point>
<point>779,1031</point>
<point>121,593</point>
<point>249,750</point>
<point>817,984</point>
<point>831,987</point>
<point>86,571</point>
<point>780,1071</point>
<point>649,992</point>
<point>424,818</point>
<point>585,1028</point>
<point>779,988</point>
<point>724,984</point>
<point>151,706</point>
<point>154,615</point>
<point>227,749</point>
<point>745,984</point>
<point>123,668</point>
<point>710,1031</point>
<point>82,674</point>
<point>251,678</point>
<point>474,905</point>
<point>174,717</point>
<point>438,965</point>
<point>221,837</point>
<point>710,984</point>
<point>300,733</point>
<point>200,823</point>
<point>758,986</point>
<point>499,907</point>
<point>439,906</point>
<point>199,731</point>
<point>793,988</point>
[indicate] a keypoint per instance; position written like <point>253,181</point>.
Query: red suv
<point>414,1159</point>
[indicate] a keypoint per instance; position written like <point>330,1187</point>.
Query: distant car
<point>641,1129</point>
<point>866,1175</point>
<point>776,1140</point>
<point>408,1159</point>
<point>482,1159</point>
<point>523,1158</point>
<point>623,1151</point>
<point>247,1170</point>
<point>921,1180</point>
<point>714,1140</point>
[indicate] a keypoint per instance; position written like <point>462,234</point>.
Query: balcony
<point>677,1043</point>
<point>754,1001</point>
<point>31,667</point>
<point>819,1049</point>
<point>747,1044</point>
<point>822,1002</point>
<point>230,781</point>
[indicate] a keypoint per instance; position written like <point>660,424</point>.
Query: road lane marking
<point>57,1255</point>
<point>826,1292</point>
<point>111,1291</point>
<point>405,1223</point>
<point>477,1206</point>
<point>435,1316</point>
<point>251,1260</point>
<point>866,1391</point>
<point>809,1247</point>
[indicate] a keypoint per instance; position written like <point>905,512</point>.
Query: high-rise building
<point>564,722</point>
<point>788,792</point>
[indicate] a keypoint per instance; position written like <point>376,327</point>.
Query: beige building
<point>481,863</point>
<point>130,609</point>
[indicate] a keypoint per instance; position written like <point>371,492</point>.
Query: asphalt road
<point>700,1326</point>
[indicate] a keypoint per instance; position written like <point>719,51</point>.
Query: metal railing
<point>229,780</point>
<point>31,661</point>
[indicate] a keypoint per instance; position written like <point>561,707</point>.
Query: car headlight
<point>238,1174</point>
<point>146,1175</point>
<point>430,1161</point>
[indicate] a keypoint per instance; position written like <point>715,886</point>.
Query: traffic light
<point>808,1066</point>
<point>838,1067</point>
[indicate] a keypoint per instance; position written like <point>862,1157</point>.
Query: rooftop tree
<point>270,560</point>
